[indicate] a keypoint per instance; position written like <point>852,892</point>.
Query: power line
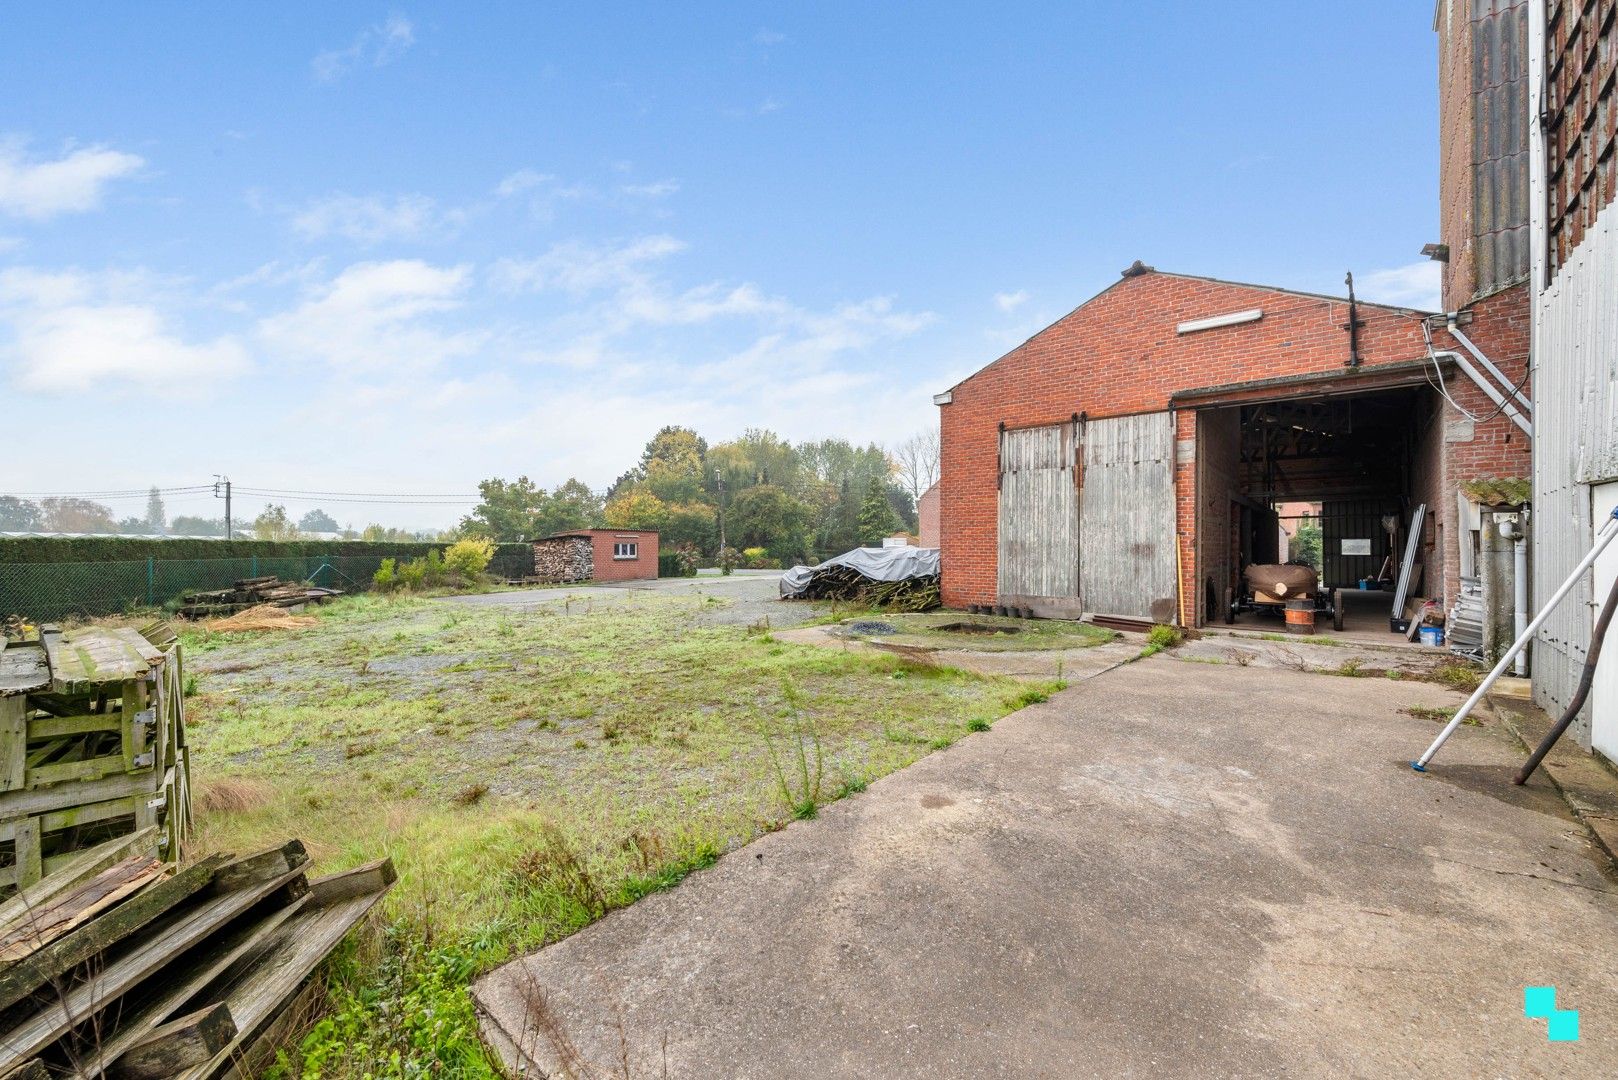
<point>124,493</point>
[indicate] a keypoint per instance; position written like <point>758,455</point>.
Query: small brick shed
<point>1128,459</point>
<point>596,555</point>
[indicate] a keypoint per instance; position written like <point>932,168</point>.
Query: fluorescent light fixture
<point>1235,318</point>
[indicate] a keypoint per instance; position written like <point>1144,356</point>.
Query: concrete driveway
<point>1172,869</point>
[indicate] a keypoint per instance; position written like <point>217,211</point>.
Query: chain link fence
<point>53,591</point>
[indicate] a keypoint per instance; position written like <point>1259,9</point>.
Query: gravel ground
<point>753,597</point>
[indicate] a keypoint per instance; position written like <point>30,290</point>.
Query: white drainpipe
<point>1466,343</point>
<point>1511,411</point>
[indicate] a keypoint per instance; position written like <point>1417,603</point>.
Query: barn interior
<point>1330,480</point>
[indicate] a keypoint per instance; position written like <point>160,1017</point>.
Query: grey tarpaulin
<point>878,564</point>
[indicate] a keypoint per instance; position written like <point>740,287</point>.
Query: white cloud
<point>1010,301</point>
<point>73,183</point>
<point>768,37</point>
<point>522,180</point>
<point>656,190</point>
<point>376,316</point>
<point>376,46</point>
<point>371,219</point>
<point>73,332</point>
<point>543,191</point>
<point>583,268</point>
<point>1416,285</point>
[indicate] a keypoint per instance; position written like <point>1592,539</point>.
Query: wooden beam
<point>178,1044</point>
<point>82,866</point>
<point>77,906</point>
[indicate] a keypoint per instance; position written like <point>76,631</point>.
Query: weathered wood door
<point>1127,518</point>
<point>1039,520</point>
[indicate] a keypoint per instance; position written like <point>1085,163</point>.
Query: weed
<point>667,876</point>
<point>190,688</point>
<point>471,794</point>
<point>555,868</point>
<point>852,785</point>
<point>801,793</point>
<point>1164,636</point>
<point>1393,673</point>
<point>977,723</point>
<point>1429,712</point>
<point>1353,667</point>
<point>943,742</point>
<point>1149,651</point>
<point>1457,676</point>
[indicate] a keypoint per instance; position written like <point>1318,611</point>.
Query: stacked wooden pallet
<point>92,746</point>
<point>252,592</point>
<point>119,965</point>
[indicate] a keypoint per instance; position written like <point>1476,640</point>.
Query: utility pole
<point>218,482</point>
<point>721,480</point>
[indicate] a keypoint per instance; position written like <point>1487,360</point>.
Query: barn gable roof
<point>1139,270</point>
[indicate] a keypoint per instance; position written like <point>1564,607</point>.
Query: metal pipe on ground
<point>1586,678</point>
<point>1603,538</point>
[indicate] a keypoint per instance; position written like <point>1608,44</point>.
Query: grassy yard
<point>528,770</point>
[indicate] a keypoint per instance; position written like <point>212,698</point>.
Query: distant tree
<point>692,525</point>
<point>877,518</point>
<point>916,460</point>
<point>19,515</point>
<point>156,515</point>
<point>76,515</point>
<point>904,507</point>
<point>188,525</point>
<point>672,465</point>
<point>637,510</point>
<point>1306,544</point>
<point>135,526</point>
<point>317,521</point>
<point>522,510</point>
<point>274,524</point>
<point>766,516</point>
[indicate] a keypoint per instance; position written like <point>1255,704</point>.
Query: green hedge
<point>676,564</point>
<point>38,549</point>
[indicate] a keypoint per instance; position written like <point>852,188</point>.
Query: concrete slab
<point>1167,870</point>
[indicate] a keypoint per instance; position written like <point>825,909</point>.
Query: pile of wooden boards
<point>844,583</point>
<point>92,746</point>
<point>118,965</point>
<point>252,592</point>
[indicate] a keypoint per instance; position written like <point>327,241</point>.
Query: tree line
<point>776,500</point>
<point>781,502</point>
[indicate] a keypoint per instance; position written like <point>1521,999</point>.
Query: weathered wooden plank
<point>33,801</point>
<point>179,1044</point>
<point>250,870</point>
<point>95,656</point>
<point>1127,517</point>
<point>89,769</point>
<point>179,989</point>
<point>1038,515</point>
<point>148,954</point>
<point>24,667</point>
<point>90,813</point>
<point>50,727</point>
<point>27,857</point>
<point>26,976</point>
<point>258,990</point>
<point>13,743</point>
<point>28,1070</point>
<point>255,1056</point>
<point>73,908</point>
<point>80,867</point>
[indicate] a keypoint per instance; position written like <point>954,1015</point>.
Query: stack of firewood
<point>120,965</point>
<point>252,592</point>
<point>844,583</point>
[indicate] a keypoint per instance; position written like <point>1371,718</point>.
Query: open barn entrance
<point>1323,485</point>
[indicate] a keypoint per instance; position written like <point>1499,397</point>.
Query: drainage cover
<point>871,626</point>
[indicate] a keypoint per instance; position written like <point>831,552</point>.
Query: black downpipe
<point>1591,659</point>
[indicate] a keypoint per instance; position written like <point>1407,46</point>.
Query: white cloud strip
<point>73,183</point>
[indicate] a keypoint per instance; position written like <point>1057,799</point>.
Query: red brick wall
<point>927,517</point>
<point>1120,354</point>
<point>608,568</point>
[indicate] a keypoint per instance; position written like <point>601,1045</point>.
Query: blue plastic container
<point>1432,635</point>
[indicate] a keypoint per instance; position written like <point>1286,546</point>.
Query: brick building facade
<point>597,555</point>
<point>1200,361</point>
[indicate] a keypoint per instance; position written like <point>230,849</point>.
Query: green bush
<point>1164,636</point>
<point>385,577</point>
<point>469,558</point>
<point>679,562</point>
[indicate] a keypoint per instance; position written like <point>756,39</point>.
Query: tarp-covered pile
<point>904,578</point>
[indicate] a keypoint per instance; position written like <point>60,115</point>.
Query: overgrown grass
<point>528,771</point>
<point>1458,676</point>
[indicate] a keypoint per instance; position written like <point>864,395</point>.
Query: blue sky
<point>404,248</point>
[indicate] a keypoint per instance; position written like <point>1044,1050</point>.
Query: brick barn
<point>596,555</point>
<point>1130,458</point>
